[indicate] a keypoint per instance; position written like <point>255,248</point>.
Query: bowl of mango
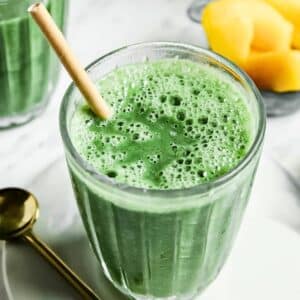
<point>263,38</point>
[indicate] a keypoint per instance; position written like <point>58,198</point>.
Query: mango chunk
<point>296,38</point>
<point>228,34</point>
<point>234,27</point>
<point>272,32</point>
<point>277,71</point>
<point>290,9</point>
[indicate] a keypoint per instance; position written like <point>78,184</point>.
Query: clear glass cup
<point>162,244</point>
<point>28,67</point>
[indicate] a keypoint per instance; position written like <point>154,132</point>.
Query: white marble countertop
<point>27,153</point>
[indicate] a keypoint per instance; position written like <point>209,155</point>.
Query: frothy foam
<point>176,124</point>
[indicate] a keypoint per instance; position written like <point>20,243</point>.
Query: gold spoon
<point>18,212</point>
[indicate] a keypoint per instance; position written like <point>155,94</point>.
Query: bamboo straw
<point>56,39</point>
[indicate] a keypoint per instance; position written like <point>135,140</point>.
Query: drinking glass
<point>162,244</point>
<point>28,67</point>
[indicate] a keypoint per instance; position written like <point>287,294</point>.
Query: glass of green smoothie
<point>28,67</point>
<point>162,186</point>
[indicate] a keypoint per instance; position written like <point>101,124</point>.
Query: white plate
<point>264,264</point>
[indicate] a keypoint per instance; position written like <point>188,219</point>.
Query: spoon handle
<point>5,293</point>
<point>85,291</point>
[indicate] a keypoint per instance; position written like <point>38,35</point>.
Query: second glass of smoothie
<point>163,185</point>
<point>28,67</point>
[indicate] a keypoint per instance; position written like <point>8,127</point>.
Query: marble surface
<point>28,154</point>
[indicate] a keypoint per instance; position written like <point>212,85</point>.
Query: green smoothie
<point>28,68</point>
<point>177,124</point>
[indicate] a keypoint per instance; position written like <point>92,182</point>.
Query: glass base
<point>185,297</point>
<point>20,119</point>
<point>134,296</point>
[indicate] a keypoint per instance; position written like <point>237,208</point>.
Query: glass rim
<point>98,177</point>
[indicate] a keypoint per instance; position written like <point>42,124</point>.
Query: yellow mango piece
<point>296,38</point>
<point>272,32</point>
<point>277,71</point>
<point>228,34</point>
<point>290,9</point>
<point>234,27</point>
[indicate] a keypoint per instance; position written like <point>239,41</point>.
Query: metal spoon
<point>18,212</point>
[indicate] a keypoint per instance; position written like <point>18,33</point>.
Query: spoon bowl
<point>18,212</point>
